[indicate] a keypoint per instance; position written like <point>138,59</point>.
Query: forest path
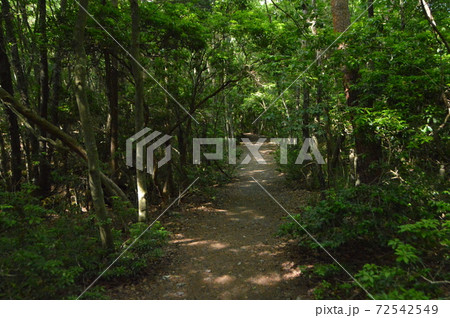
<point>228,249</point>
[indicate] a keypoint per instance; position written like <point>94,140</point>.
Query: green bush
<point>146,248</point>
<point>46,254</point>
<point>410,220</point>
<point>365,213</point>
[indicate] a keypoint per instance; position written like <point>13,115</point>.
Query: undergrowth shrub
<point>54,254</point>
<point>410,220</point>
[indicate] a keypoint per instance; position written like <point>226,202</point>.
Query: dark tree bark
<point>44,165</point>
<point>112,92</point>
<point>56,77</point>
<point>341,15</point>
<point>4,158</point>
<point>7,85</point>
<point>370,9</point>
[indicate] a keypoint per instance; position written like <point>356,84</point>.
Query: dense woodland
<point>368,80</point>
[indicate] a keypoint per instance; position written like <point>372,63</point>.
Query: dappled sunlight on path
<point>228,250</point>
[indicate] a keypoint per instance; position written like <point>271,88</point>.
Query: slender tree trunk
<point>4,158</point>
<point>56,83</point>
<point>305,109</point>
<point>44,165</point>
<point>370,9</point>
<point>95,183</point>
<point>7,85</point>
<point>139,122</point>
<point>112,84</point>
<point>306,90</point>
<point>402,15</point>
<point>168,188</point>
<point>367,146</point>
<point>112,88</point>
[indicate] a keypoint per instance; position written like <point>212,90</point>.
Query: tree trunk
<point>112,88</point>
<point>370,11</point>
<point>6,84</point>
<point>341,15</point>
<point>367,146</point>
<point>57,69</point>
<point>87,126</point>
<point>305,110</point>
<point>44,165</point>
<point>139,122</point>
<point>112,85</point>
<point>4,158</point>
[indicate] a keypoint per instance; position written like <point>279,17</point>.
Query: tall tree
<point>56,78</point>
<point>44,166</point>
<point>367,146</point>
<point>95,183</point>
<point>112,92</point>
<point>139,122</point>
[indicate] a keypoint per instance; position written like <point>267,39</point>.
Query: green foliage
<point>227,62</point>
<point>408,219</point>
<point>365,213</point>
<point>144,245</point>
<point>46,254</point>
<point>394,283</point>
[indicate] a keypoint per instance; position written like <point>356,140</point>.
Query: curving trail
<point>227,249</point>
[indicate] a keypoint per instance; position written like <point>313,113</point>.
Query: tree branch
<point>436,281</point>
<point>429,16</point>
<point>289,16</point>
<point>204,100</point>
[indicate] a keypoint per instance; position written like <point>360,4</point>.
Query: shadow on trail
<point>228,249</point>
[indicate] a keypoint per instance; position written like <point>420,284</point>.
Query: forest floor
<point>227,249</point>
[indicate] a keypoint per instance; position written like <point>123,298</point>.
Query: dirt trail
<point>227,250</point>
